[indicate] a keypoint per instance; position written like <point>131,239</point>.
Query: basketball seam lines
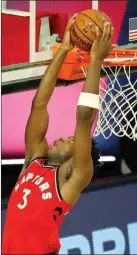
<point>91,20</point>
<point>83,34</point>
<point>109,20</point>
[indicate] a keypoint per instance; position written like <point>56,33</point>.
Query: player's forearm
<point>91,86</point>
<point>92,81</point>
<point>49,79</point>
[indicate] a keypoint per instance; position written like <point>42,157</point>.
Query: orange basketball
<point>82,33</point>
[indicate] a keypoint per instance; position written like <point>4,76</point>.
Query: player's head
<point>62,150</point>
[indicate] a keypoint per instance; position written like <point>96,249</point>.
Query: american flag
<point>133,29</point>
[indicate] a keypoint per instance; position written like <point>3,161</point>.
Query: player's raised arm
<point>37,125</point>
<point>86,112</point>
<point>87,106</point>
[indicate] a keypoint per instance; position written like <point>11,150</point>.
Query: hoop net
<point>118,100</point>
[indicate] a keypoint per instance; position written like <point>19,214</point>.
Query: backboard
<point>17,72</point>
<point>38,61</point>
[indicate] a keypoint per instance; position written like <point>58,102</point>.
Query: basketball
<point>83,31</point>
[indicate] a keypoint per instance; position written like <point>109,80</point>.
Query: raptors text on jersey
<point>35,212</point>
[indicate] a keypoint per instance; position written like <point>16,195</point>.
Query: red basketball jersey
<point>35,212</point>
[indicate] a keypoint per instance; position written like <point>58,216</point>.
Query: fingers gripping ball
<point>83,30</point>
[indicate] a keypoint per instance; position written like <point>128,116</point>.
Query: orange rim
<point>123,63</point>
<point>128,57</point>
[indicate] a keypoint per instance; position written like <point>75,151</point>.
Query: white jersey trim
<point>37,162</point>
<point>56,184</point>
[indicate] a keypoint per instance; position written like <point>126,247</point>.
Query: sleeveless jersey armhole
<point>31,161</point>
<point>68,207</point>
<point>57,184</point>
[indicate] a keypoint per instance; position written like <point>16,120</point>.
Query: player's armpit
<point>82,171</point>
<point>25,166</point>
<point>40,152</point>
<point>71,189</point>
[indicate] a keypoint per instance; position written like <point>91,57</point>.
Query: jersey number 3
<point>25,201</point>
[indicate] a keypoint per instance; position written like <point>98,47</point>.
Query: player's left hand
<point>102,45</point>
<point>67,44</point>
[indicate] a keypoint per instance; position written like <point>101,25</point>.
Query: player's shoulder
<point>36,164</point>
<point>40,161</point>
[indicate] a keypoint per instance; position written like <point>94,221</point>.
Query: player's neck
<point>53,163</point>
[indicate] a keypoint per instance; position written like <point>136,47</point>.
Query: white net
<point>118,101</point>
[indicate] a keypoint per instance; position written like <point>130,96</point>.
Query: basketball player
<point>53,177</point>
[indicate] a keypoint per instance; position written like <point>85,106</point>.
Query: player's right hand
<point>102,45</point>
<point>67,44</point>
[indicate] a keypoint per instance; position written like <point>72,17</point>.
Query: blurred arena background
<point>105,218</point>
